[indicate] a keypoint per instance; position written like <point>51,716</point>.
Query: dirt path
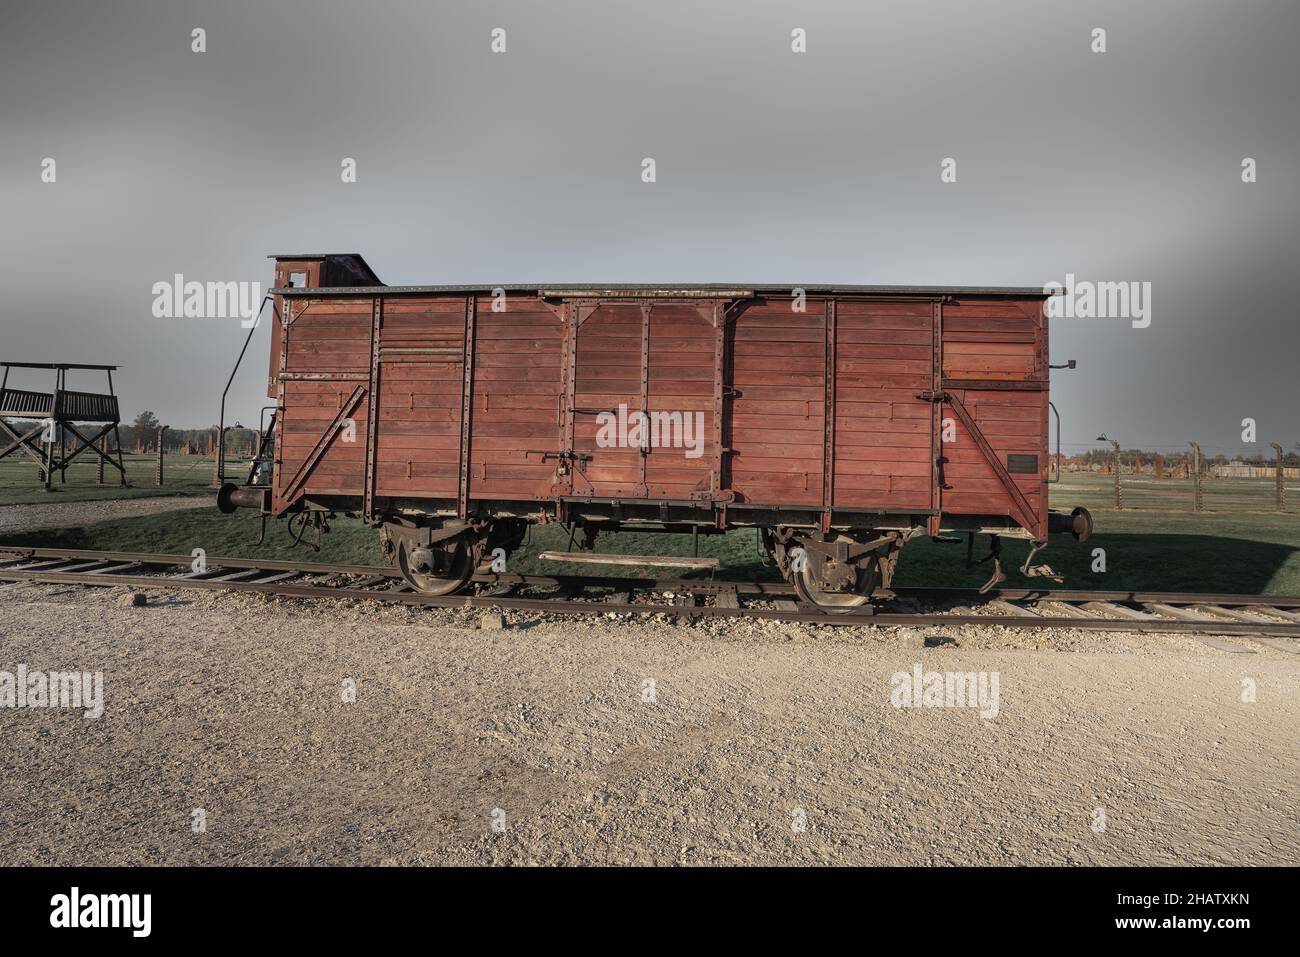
<point>25,518</point>
<point>233,704</point>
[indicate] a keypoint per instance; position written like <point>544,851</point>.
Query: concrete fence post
<point>1279,478</point>
<point>1198,502</point>
<point>161,430</point>
<point>1119,499</point>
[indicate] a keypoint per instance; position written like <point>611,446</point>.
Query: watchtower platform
<point>58,413</point>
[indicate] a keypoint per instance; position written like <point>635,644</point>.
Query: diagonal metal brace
<point>1025,511</point>
<point>323,443</point>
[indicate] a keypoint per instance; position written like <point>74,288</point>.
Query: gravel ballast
<point>26,518</point>
<point>357,733</point>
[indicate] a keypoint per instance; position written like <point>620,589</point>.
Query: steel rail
<point>701,585</point>
<point>1141,597</point>
<point>86,573</point>
<point>170,559</point>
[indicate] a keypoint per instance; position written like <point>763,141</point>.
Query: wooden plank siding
<point>329,341</point>
<point>518,381</point>
<point>680,361</point>
<point>883,432</point>
<point>608,343</point>
<point>996,342</point>
<point>759,375</point>
<point>777,413</point>
<point>421,362</point>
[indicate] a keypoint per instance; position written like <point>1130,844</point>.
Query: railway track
<point>1270,620</point>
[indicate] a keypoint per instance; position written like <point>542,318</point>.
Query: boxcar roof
<point>670,290</point>
<point>56,365</point>
<point>354,263</point>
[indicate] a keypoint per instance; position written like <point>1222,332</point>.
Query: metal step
<point>632,561</point>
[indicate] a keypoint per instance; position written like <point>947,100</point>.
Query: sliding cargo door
<point>776,405</point>
<point>884,435</point>
<point>460,427</point>
<point>420,381</point>
<point>645,401</point>
<point>516,400</point>
<point>604,390</point>
<point>683,399</point>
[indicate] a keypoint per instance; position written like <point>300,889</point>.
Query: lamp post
<point>1119,503</point>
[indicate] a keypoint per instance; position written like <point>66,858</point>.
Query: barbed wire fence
<point>1173,479</point>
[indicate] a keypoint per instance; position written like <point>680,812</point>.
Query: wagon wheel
<point>457,567</point>
<point>808,585</point>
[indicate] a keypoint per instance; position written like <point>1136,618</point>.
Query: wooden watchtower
<point>58,413</point>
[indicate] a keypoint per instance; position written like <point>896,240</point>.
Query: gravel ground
<point>233,704</point>
<point>25,518</point>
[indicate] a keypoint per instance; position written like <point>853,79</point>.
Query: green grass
<point>1242,554</point>
<point>1250,552</point>
<point>1238,544</point>
<point>230,536</point>
<point>183,475</point>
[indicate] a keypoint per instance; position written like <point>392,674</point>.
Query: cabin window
<point>298,280</point>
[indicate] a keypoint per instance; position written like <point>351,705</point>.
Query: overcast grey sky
<point>772,167</point>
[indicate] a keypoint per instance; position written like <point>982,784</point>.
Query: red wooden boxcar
<point>840,420</point>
